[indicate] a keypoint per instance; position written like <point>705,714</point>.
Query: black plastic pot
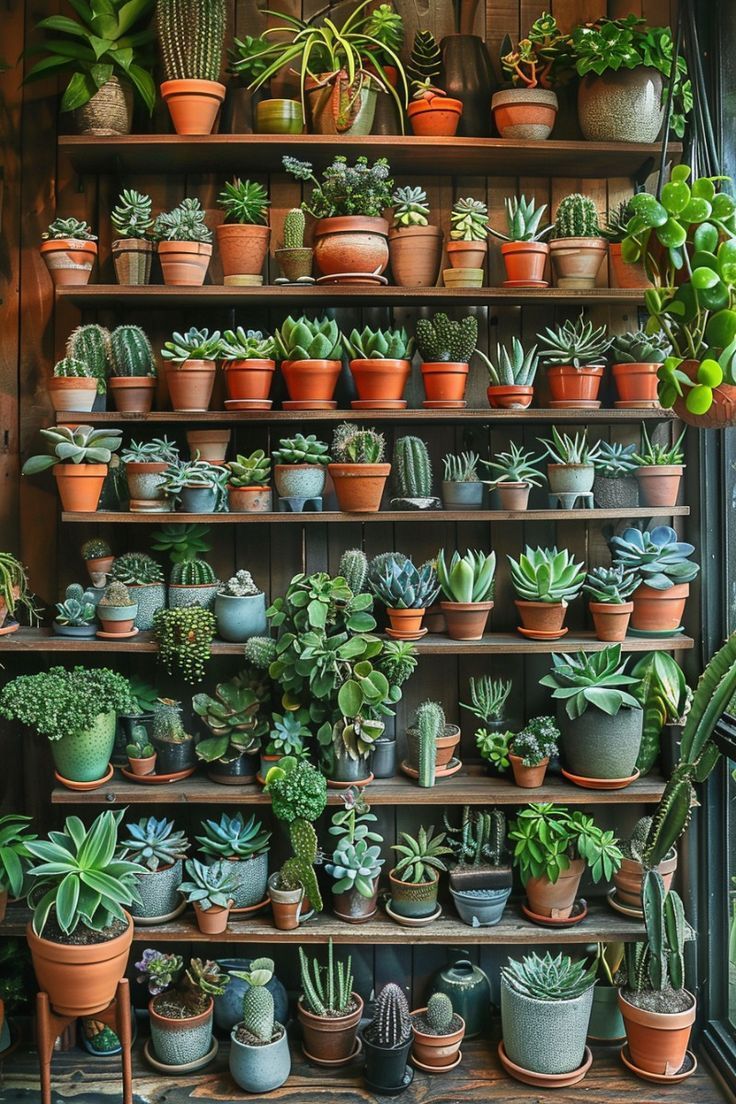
<point>383,764</point>
<point>238,773</point>
<point>173,757</point>
<point>384,1068</point>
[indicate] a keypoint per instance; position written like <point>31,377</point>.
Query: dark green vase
<point>469,989</point>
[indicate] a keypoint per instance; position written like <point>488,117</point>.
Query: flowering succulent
<point>359,189</point>
<point>537,741</point>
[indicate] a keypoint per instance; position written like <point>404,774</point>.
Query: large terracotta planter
<point>309,381</point>
<point>623,105</point>
<point>576,262</point>
<point>721,414</point>
<point>190,385</point>
<point>509,397</point>
<point>132,258</point>
<point>611,620</point>
<point>513,496</point>
<point>248,379</point>
<point>437,1051</point>
<point>351,243</point>
<point>416,254</point>
<point>378,381</point>
<point>349,110</point>
<point>636,382</point>
<point>69,260</point>
<point>629,879</point>
<point>623,275</point>
<point>528,778</point>
<point>80,486</point>
<point>80,980</point>
<point>466,620</point>
<point>525,262</point>
<point>659,484</point>
<point>569,384</point>
<point>184,264</point>
<point>555,899</point>
<point>132,394</point>
<point>359,487</point>
<point>193,104</point>
<point>527,113</point>
<point>467,254</point>
<point>659,610</point>
<point>405,623</point>
<point>434,116</point>
<point>445,381</point>
<point>243,248</point>
<point>541,618</point>
<point>72,393</point>
<point>657,1041</point>
<point>330,1038</point>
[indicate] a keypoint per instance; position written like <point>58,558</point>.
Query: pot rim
<point>202,248</point>
<point>264,1046</point>
<point>454,367</point>
<point>65,245</point>
<point>415,232</point>
<point>78,954</point>
<point>466,607</point>
<point>579,243</point>
<point>525,247</point>
<point>437,103</point>
<point>335,1023</point>
<point>351,224</point>
<point>191,85</point>
<point>570,369</point>
<point>413,885</point>
<point>659,1021</point>
<point>659,469</point>
<point>187,1022</point>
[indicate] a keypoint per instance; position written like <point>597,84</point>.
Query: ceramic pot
<point>385,1067</point>
<point>243,248</point>
<point>555,899</point>
<point>380,381</point>
<point>211,444</point>
<point>467,76</point>
<point>444,747</point>
<point>509,397</point>
<point>299,480</point>
<point>351,243</point>
<point>198,500</point>
<point>330,1038</point>
<point>238,772</point>
<point>524,113</point>
<point>212,921</point>
<point>132,258</point>
<point>117,619</point>
<point>353,908</point>
<point>184,264</point>
<point>311,380</point>
<point>145,481</point>
<point>623,105</point>
<point>248,379</point>
<point>466,620</point>
<point>187,595</point>
<point>437,1051</point>
<point>250,877</point>
<point>659,610</point>
<point>346,769</point>
<point>610,619</point>
<point>548,1036</point>
<point>528,778</point>
<point>606,1022</point>
<point>615,494</point>
<point>525,262</point>
<point>513,496</point>
<point>81,632</point>
<point>576,262</point>
<point>250,500</point>
<point>109,112</point>
<point>190,385</point>
<point>416,255</point>
<point>623,275</point>
<point>193,104</point>
<point>568,384</point>
<point>260,1069</point>
<point>467,254</point>
<point>405,623</point>
<point>659,484</point>
<point>657,1041</point>
<point>240,618</point>
<point>541,617</point>
<point>80,980</point>
<point>629,879</point>
<point>469,991</point>
<point>359,487</point>
<point>174,757</point>
<point>480,908</point>
<point>150,597</point>
<point>286,905</point>
<point>142,767</point>
<point>383,764</point>
<point>84,756</point>
<point>278,116</point>
<point>434,116</point>
<point>177,1042</point>
<point>132,394</point>
<point>444,380</point>
<point>229,1006</point>
<point>462,496</point>
<point>72,393</point>
<point>596,745</point>
<point>343,110</point>
<point>79,486</point>
<point>636,382</point>
<point>721,414</point>
<point>158,890</point>
<point>295,263</point>
<point>413,899</point>
<point>69,260</point>
<point>570,478</point>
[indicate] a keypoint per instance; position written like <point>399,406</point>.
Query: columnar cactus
<point>299,870</point>
<point>258,1004</point>
<point>391,1021</point>
<point>412,468</point>
<point>131,353</point>
<point>577,217</point>
<point>91,345</point>
<point>430,723</point>
<point>192,573</point>
<point>353,568</point>
<point>439,1013</point>
<point>294,224</point>
<point>191,33</point>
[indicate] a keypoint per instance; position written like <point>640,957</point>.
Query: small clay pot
<point>248,379</point>
<point>190,385</point>
<point>434,116</point>
<point>295,263</point>
<point>379,381</point>
<point>243,248</point>
<point>330,1038</point>
<point>611,620</point>
<point>145,480</point>
<point>69,260</point>
<point>569,384</point>
<point>142,767</point>
<point>76,393</point>
<point>541,617</point>
<point>636,382</point>
<point>351,243</point>
<point>525,262</point>
<point>623,275</point>
<point>467,254</point>
<point>212,921</point>
<point>80,486</point>
<point>184,264</point>
<point>444,380</point>
<point>353,908</point>
<point>193,104</point>
<point>132,258</point>
<point>250,500</point>
<point>437,1051</point>
<point>657,1041</point>
<point>286,905</point>
<point>416,255</point>
<point>117,620</point>
<point>509,396</point>
<point>405,623</point>
<point>211,444</point>
<point>659,610</point>
<point>528,778</point>
<point>659,484</point>
<point>132,394</point>
<point>359,487</point>
<point>513,496</point>
<point>555,899</point>
<point>311,380</point>
<point>466,620</point>
<point>445,746</point>
<point>576,262</point>
<point>414,900</point>
<point>524,113</point>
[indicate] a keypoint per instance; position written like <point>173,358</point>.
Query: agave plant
<point>522,220</point>
<point>302,339</point>
<point>420,857</point>
<point>516,368</point>
<point>467,578</point>
<point>577,344</point>
<point>563,449</point>
<point>546,575</point>
<point>614,461</point>
<point>548,979</point>
<point>515,466</point>
<point>657,557</point>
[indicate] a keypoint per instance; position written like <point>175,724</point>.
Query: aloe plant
<point>522,220</point>
<point>515,466</point>
<point>467,578</point>
<point>546,575</point>
<point>369,344</point>
<point>563,449</point>
<point>516,368</point>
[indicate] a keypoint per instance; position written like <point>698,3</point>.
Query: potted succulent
<point>329,1010</point>
<point>610,590</point>
<point>117,611</point>
<point>248,365</point>
<point>181,1007</point>
<point>415,879</point>
<point>546,581</point>
<point>132,250</point>
<point>132,381</point>
<point>445,347</point>
<point>574,354</point>
<point>531,750</point>
<point>192,580</point>
<point>462,488</point>
<point>386,1042</point>
<point>432,113</point>
<point>191,62</point>
<point>184,243</point>
<point>190,369</point>
<point>85,951</point>
<point>415,247</point>
<point>620,273</point>
<point>259,1048</point>
<point>528,109</point>
<point>356,861</point>
<point>552,847</point>
<point>663,565</point>
<point>601,723</point>
<point>511,376</point>
<point>659,470</point>
<point>481,879</point>
<point>234,718</point>
<point>140,751</point>
<point>197,487</point>
<point>347,749</point>
<point>468,244</point>
<point>98,559</point>
<point>299,797</point>
<point>311,358</point>
<point>243,238</point>
<point>545,1011</point>
<point>657,1009</point>
<point>406,591</point>
<point>14,592</point>
<point>629,878</point>
<point>606,1023</point>
<point>518,472</point>
<point>488,702</point>
<point>210,890</point>
<point>242,846</point>
<point>240,608</point>
<point>184,638</point>
<point>73,386</point>
<point>80,458</point>
<point>69,249</point>
<point>173,745</point>
<point>635,361</point>
<point>14,857</point>
<point>412,482</point>
<point>380,364</point>
<point>77,614</point>
<point>571,466</point>
<point>524,251</point>
<point>249,484</point>
<point>299,466</point>
<point>430,744</point>
<point>665,697</point>
<point>144,579</point>
<point>89,345</point>
<point>467,584</point>
<point>159,851</point>
<point>295,258</point>
<point>437,1033</point>
<point>577,247</point>
<point>615,486</point>
<point>358,470</point>
<point>288,737</point>
<point>146,465</point>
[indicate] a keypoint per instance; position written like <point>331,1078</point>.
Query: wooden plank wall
<point>35,188</point>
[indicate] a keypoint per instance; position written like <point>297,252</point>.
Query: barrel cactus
<point>439,1014</point>
<point>131,353</point>
<point>191,34</point>
<point>91,345</point>
<point>192,573</point>
<point>577,217</point>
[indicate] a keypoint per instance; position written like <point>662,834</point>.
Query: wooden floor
<point>81,1079</point>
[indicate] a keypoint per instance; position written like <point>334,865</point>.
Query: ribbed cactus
<point>353,568</point>
<point>294,224</point>
<point>439,1013</point>
<point>577,217</point>
<point>299,870</point>
<point>70,368</point>
<point>91,345</point>
<point>192,573</point>
<point>258,1004</point>
<point>260,651</point>
<point>191,33</point>
<point>131,353</point>
<point>412,468</point>
<point>391,1021</point>
<point>430,724</point>
<point>671,819</point>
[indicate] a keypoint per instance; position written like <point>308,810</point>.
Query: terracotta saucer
<point>379,1090</point>
<point>334,1063</point>
<point>557,921</point>
<point>545,1080</point>
<point>379,404</point>
<point>625,910</point>
<point>83,787</point>
<point>441,772</point>
<point>525,283</point>
<point>148,921</point>
<point>11,628</point>
<point>412,921</point>
<point>534,634</point>
<point>351,278</point>
<point>436,1069</point>
<point>187,1067</point>
<point>333,785</point>
<point>444,404</point>
<point>600,783</point>
<point>157,779</point>
<point>575,404</point>
<point>116,636</point>
<point>248,404</point>
<point>250,910</point>
<point>396,635</point>
<point>643,404</point>
<point>687,1069</point>
<point>309,404</point>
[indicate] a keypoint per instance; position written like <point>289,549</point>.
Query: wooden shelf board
<point>108,517</point>
<point>501,643</point>
<point>171,153</point>
<point>471,787</point>
<point>398,417</point>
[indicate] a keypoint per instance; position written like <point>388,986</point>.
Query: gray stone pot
<point>260,1069</point>
<point>198,500</point>
<point>462,496</point>
<point>570,478</point>
<point>544,1036</point>
<point>615,494</point>
<point>251,878</point>
<point>229,1006</point>
<point>598,746</point>
<point>159,891</point>
<point>621,106</point>
<point>184,597</point>
<point>239,618</point>
<point>480,908</point>
<point>150,597</point>
<point>177,1042</point>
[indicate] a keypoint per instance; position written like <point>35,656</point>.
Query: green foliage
<point>665,698</point>
<point>547,837</point>
<point>516,368</point>
<point>158,451</point>
<point>614,461</point>
<point>78,608</point>
<point>244,202</point>
<point>467,578</point>
<point>469,220</point>
<point>420,858</point>
<point>442,339</point>
<point>522,221</point>
<point>184,543</point>
<point>546,575</point>
<point>611,585</point>
<point>191,34</point>
<point>14,587</point>
<point>298,791</point>
<point>197,473</point>
<point>575,344</point>
<point>193,345</point>
<point>488,698</point>
<point>131,217</point>
<point>548,978</point>
<point>14,853</point>
<point>425,63</point>
<point>326,990</point>
<point>243,344</point>
<point>515,466</point>
<point>359,189</point>
<point>234,718</point>
<point>616,219</point>
<point>74,229</point>
<point>136,569</point>
<point>563,449</point>
<point>439,1014</point>
<point>62,702</point>
<point>370,344</point>
<point>233,837</point>
<point>397,661</point>
<point>210,886</point>
<point>351,444</point>
<point>494,747</point>
<point>592,679</point>
<point>659,454</point>
<point>250,471</point>
<point>355,865</point>
<point>301,450</point>
<point>401,585</point>
<point>90,344</point>
<point>304,339</point>
<point>154,843</point>
<point>538,740</point>
<point>260,652</point>
<point>577,217</point>
<point>184,637</point>
<point>479,839</point>
<point>659,964</point>
<point>462,468</point>
<point>258,1003</point>
<point>412,468</point>
<point>294,227</point>
<point>656,556</point>
<point>167,723</point>
<point>185,222</point>
<point>540,59</point>
<point>411,207</point>
<point>131,353</point>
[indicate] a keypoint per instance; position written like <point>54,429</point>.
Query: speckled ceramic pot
<point>570,478</point>
<point>159,891</point>
<point>183,597</point>
<point>544,1036</point>
<point>598,746</point>
<point>239,618</point>
<point>615,494</point>
<point>413,899</point>
<point>299,480</point>
<point>177,1042</point>
<point>250,877</point>
<point>150,597</point>
<point>84,756</point>
<point>260,1069</point>
<point>621,106</point>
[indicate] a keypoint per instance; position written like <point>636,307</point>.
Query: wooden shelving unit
<point>396,417</point>
<point>106,517</point>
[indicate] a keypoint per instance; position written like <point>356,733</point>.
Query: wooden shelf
<point>501,643</point>
<point>397,417</point>
<point>601,924</point>
<point>172,153</point>
<point>472,787</point>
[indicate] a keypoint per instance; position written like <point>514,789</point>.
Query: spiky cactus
<point>391,1024</point>
<point>191,33</point>
<point>443,339</point>
<point>294,224</point>
<point>131,353</point>
<point>69,368</point>
<point>260,652</point>
<point>299,870</point>
<point>439,1013</point>
<point>353,568</point>
<point>258,1004</point>
<point>192,573</point>
<point>425,63</point>
<point>412,468</point>
<point>91,345</point>
<point>577,217</point>
<point>430,725</point>
<point>480,838</point>
<point>326,990</point>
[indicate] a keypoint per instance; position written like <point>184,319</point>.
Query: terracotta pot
<point>636,382</point>
<point>611,620</point>
<point>80,486</point>
<point>142,767</point>
<point>444,380</point>
<point>467,254</point>
<point>72,393</point>
<point>434,116</point>
<point>629,879</point>
<point>437,1051</point>
<point>184,264</point>
<point>69,260</point>
<point>721,414</point>
<point>193,104</point>
<point>524,262</point>
<point>659,484</point>
<point>555,899</point>
<point>311,380</point>
<point>528,778</point>
<point>514,496</point>
<point>380,380</point>
<point>659,610</point>
<point>330,1038</point>
<point>416,255</point>
<point>466,620</point>
<point>243,248</point>
<point>527,113</point>
<point>509,397</point>
<point>623,105</point>
<point>359,487</point>
<point>445,746</point>
<point>80,980</point>
<point>568,384</point>
<point>577,261</point>
<point>286,905</point>
<point>212,921</point>
<point>250,500</point>
<point>190,386</point>
<point>117,625</point>
<point>248,379</point>
<point>351,243</point>
<point>344,110</point>
<point>623,275</point>
<point>657,1041</point>
<point>406,622</point>
<point>211,444</point>
<point>98,567</point>
<point>132,394</point>
<point>353,908</point>
<point>541,617</point>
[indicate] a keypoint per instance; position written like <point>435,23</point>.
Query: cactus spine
<point>439,1013</point>
<point>91,345</point>
<point>577,217</point>
<point>391,1020</point>
<point>131,353</point>
<point>192,573</point>
<point>258,1005</point>
<point>413,468</point>
<point>430,723</point>
<point>353,568</point>
<point>294,224</point>
<point>191,33</point>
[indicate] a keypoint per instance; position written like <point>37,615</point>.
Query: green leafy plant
<point>539,60</point>
<point>351,444</point>
<point>359,189</point>
<point>191,34</point>
<point>74,229</point>
<point>546,575</point>
<point>441,338</point>
<point>523,217</point>
<point>243,344</point>
<point>494,747</point>
<point>301,450</point>
<point>656,453</point>
<point>158,451</point>
<point>244,202</point>
<point>420,858</point>
<point>411,207</point>
<point>563,449</point>
<point>665,698</point>
<point>250,471</point>
<point>327,991</point>
<point>515,466</point>
<point>656,556</point>
<point>184,638</point>
<point>302,339</point>
<point>185,222</point>
<point>656,969</point>
<point>234,718</point>
<point>209,886</point>
<point>14,589</point>
<point>189,991</point>
<point>131,216</point>
<point>516,368</point>
<point>594,679</point>
<point>461,468</point>
<point>467,578</point>
<point>488,697</point>
<point>548,978</point>
<point>547,837</point>
<point>288,734</point>
<point>182,543</point>
<point>577,344</point>
<point>425,62</point>
<point>577,217</point>
<point>610,585</point>
<point>469,220</point>
<point>370,344</point>
<point>614,461</point>
<point>356,861</point>
<point>14,853</point>
<point>80,445</point>
<point>617,217</point>
<point>62,702</point>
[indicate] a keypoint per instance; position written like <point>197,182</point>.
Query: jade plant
<point>547,837</point>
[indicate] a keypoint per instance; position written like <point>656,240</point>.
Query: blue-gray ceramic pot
<point>260,1069</point>
<point>240,618</point>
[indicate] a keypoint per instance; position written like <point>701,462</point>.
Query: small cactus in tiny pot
<point>438,1033</point>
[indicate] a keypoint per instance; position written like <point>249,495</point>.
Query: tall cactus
<point>294,225</point>
<point>258,1003</point>
<point>131,353</point>
<point>91,345</point>
<point>391,1021</point>
<point>353,568</point>
<point>577,217</point>
<point>412,468</point>
<point>192,35</point>
<point>430,724</point>
<point>659,963</point>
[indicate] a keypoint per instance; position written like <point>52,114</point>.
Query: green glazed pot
<point>84,756</point>
<point>279,117</point>
<point>606,1022</point>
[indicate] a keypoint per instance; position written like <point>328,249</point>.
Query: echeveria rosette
<point>657,556</point>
